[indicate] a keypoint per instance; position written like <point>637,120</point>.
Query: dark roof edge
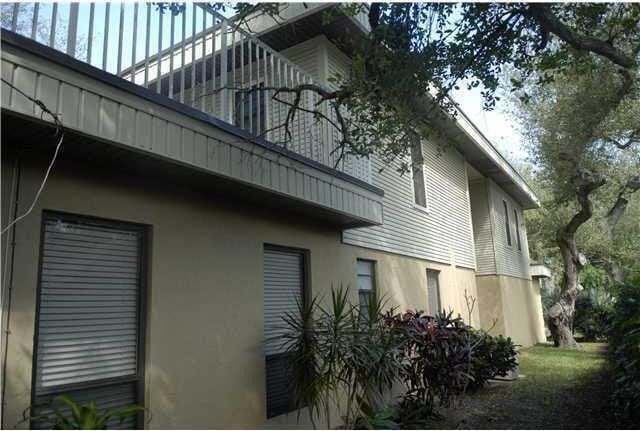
<point>513,170</point>
<point>40,50</point>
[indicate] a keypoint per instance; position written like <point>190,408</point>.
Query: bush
<point>592,318</point>
<point>435,360</point>
<point>624,341</point>
<point>443,357</point>
<point>594,305</point>
<point>336,350</point>
<point>492,357</point>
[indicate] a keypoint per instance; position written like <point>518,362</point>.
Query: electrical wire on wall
<point>59,132</point>
<point>5,299</point>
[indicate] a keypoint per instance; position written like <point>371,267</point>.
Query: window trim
<point>306,265</point>
<point>517,231</point>
<point>423,208</point>
<point>507,223</point>
<point>145,232</point>
<point>374,278</point>
<point>437,273</point>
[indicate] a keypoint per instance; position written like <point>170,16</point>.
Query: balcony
<point>194,62</point>
<point>182,56</point>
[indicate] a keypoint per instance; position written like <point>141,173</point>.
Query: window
<point>250,111</point>
<point>433,292</point>
<point>89,329</point>
<point>284,287</point>
<point>506,222</point>
<point>366,285</point>
<point>515,219</point>
<point>417,170</point>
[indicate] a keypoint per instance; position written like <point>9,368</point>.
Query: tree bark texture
<point>562,312</point>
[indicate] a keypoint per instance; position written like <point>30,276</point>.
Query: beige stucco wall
<point>515,306</point>
<point>204,359</point>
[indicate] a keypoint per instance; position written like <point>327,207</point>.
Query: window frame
<point>414,171</point>
<point>306,297</point>
<point>145,232</point>
<point>438,296</point>
<point>507,224</point>
<point>517,230</point>
<point>374,288</point>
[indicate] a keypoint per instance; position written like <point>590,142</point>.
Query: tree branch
<point>588,183</point>
<point>620,205</point>
<point>633,138</point>
<point>549,22</point>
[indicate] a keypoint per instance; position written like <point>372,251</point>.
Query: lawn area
<point>558,389</point>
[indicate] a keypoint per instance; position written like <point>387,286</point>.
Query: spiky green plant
<point>337,353</point>
<point>77,416</point>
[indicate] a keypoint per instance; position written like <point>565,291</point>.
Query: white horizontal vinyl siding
<point>482,229</point>
<point>444,233</point>
<point>509,260</point>
<point>306,55</point>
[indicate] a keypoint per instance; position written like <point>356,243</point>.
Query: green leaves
<point>75,416</point>
<point>624,341</point>
<point>334,351</point>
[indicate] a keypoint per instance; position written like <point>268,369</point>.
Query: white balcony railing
<point>194,56</point>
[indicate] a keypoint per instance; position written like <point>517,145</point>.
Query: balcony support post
<point>72,32</point>
<point>225,93</point>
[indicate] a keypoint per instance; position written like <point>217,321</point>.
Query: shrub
<point>592,317</point>
<point>624,341</point>
<point>443,357</point>
<point>492,356</point>
<point>435,360</point>
<point>337,351</point>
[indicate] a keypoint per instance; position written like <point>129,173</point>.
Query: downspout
<point>11,242</point>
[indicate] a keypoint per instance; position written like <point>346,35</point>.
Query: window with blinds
<point>366,284</point>
<point>284,287</point>
<point>433,292</point>
<point>89,337</point>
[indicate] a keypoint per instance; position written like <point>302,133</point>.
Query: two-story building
<point>163,232</point>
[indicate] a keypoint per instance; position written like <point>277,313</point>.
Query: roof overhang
<point>483,156</point>
<point>298,22</point>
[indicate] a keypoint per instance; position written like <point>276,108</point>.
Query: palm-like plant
<point>337,352</point>
<point>76,416</point>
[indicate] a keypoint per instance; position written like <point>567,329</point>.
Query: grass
<point>558,389</point>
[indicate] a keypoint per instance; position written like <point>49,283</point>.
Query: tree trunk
<point>562,312</point>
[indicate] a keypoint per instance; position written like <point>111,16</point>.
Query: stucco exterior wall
<point>515,306</point>
<point>204,358</point>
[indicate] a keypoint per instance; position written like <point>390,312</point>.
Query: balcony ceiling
<point>26,137</point>
<point>339,30</point>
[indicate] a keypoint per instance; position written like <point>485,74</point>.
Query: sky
<point>497,125</point>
